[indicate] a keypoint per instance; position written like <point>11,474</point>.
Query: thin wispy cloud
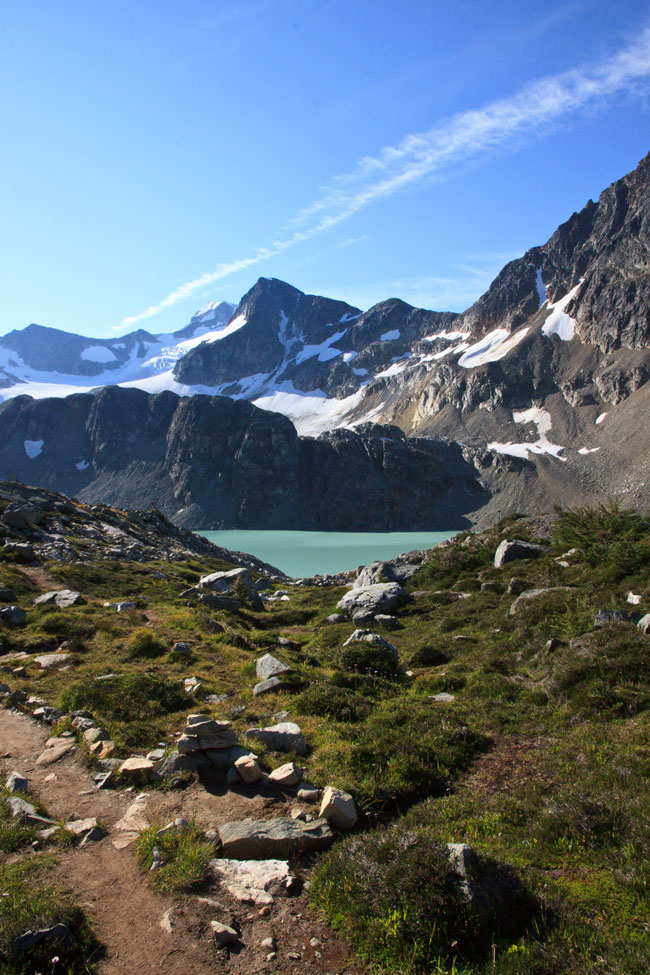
<point>420,157</point>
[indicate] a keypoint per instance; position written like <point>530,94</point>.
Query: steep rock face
<point>605,250</point>
<point>208,461</point>
<point>313,343</point>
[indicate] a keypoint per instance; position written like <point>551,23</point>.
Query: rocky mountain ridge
<point>542,382</point>
<point>212,462</point>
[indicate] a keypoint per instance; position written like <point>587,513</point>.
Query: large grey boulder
<point>217,600</point>
<point>253,839</point>
<point>222,582</point>
<point>61,598</point>
<point>22,516</point>
<point>378,572</point>
<point>269,666</point>
<point>283,737</point>
<point>363,603</point>
<point>511,549</point>
<point>13,615</point>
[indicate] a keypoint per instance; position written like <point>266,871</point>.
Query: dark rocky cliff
<point>208,461</point>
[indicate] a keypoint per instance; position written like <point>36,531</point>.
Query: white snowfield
<point>492,347</point>
<point>558,322</point>
<point>33,448</point>
<point>98,353</point>
<point>542,420</point>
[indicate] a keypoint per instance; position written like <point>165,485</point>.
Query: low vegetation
<point>520,730</point>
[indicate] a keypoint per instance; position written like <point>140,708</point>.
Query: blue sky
<point>159,155</point>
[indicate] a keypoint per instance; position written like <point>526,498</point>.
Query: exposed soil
<point>126,912</point>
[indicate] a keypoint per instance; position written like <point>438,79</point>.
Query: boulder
<point>644,623</point>
<point>338,808</point>
<point>510,550</point>
<point>20,551</point>
<point>63,598</point>
<point>334,618</point>
<point>93,735</point>
<point>269,666</point>
<point>251,881</point>
<point>203,726</point>
<point>378,572</point>
<point>605,617</point>
<point>255,839</point>
<point>17,783</point>
<point>286,775</point>
<point>22,516</point>
<point>223,934</point>
<point>55,753</point>
<point>222,582</point>
<point>283,737</point>
<point>47,661</point>
<point>308,793</point>
<point>248,769</point>
<point>216,601</point>
<point>181,650</point>
<point>85,829</point>
<point>176,762</point>
<point>26,812</point>
<point>136,765</point>
<point>390,622</point>
<point>225,758</point>
<point>58,934</point>
<point>47,714</point>
<point>365,602</point>
<point>13,615</point>
<point>272,684</point>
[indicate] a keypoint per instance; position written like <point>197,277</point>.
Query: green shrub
<point>395,895</point>
<point>28,904</point>
<point>611,539</point>
<point>143,643</point>
<point>184,856</point>
<point>366,658</point>
<point>128,703</point>
<point>336,703</point>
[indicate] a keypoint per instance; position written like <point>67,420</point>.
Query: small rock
<point>166,920</point>
<point>308,793</point>
<point>286,775</point>
<point>248,769</point>
<point>269,666</point>
<point>17,783</point>
<point>338,808</point>
<point>136,765</point>
<point>63,598</point>
<point>47,661</point>
<point>181,650</point>
<point>444,698</point>
<point>223,934</point>
<point>644,623</point>
<point>268,943</point>
<point>272,684</point>
<point>93,735</point>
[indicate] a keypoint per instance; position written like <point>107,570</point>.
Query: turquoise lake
<point>316,553</point>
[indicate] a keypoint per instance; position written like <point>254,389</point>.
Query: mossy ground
<point>540,762</point>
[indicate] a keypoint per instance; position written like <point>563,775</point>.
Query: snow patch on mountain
<point>99,353</point>
<point>390,336</point>
<point>492,347</point>
<point>558,322</point>
<point>541,287</point>
<point>323,351</point>
<point>542,420</point>
<point>33,448</point>
<point>311,413</point>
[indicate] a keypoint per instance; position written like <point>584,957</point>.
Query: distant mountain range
<point>536,394</point>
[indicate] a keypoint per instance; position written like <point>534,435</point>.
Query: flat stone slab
<point>55,753</point>
<point>266,686</point>
<point>136,765</point>
<point>63,598</point>
<point>251,881</point>
<point>269,666</point>
<point>46,661</point>
<point>259,839</point>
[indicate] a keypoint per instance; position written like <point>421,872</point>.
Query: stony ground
<point>127,913</point>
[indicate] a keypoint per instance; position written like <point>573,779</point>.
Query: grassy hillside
<point>522,732</point>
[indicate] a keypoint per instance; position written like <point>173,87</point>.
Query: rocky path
<point>127,913</point>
